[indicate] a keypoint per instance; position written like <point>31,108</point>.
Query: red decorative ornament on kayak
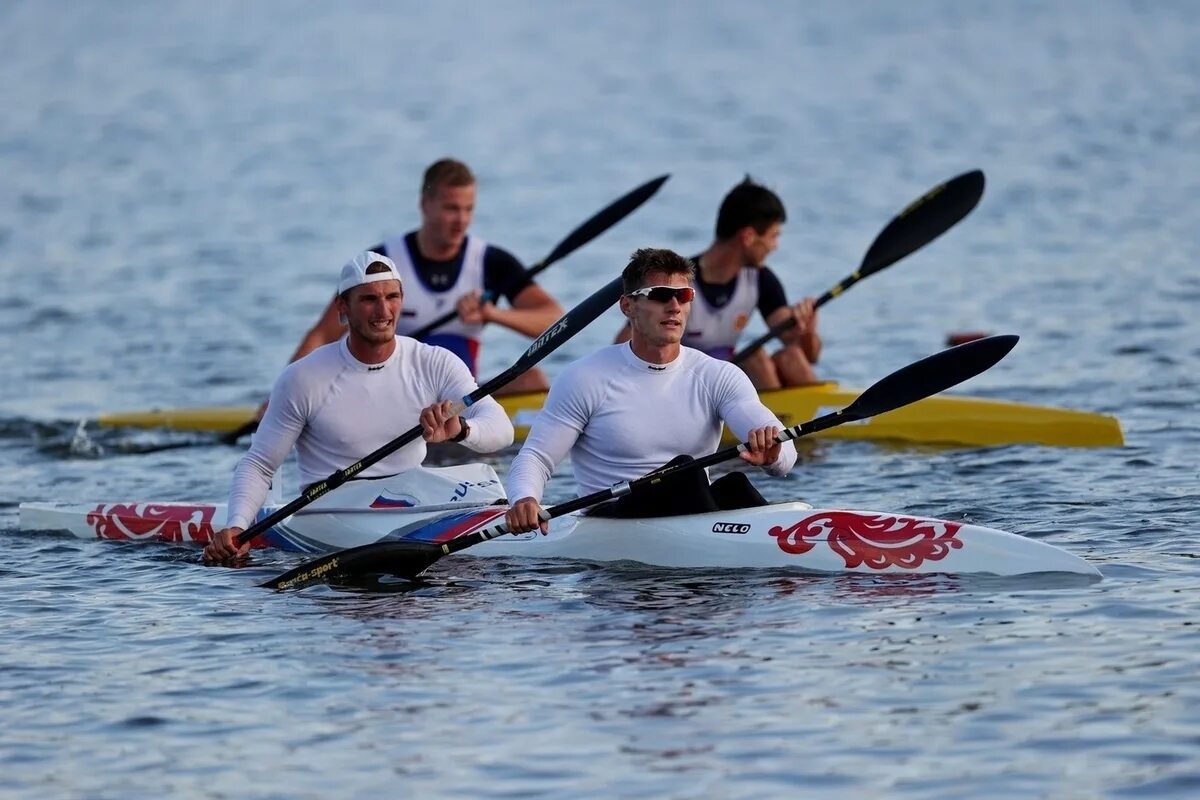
<point>878,541</point>
<point>136,521</point>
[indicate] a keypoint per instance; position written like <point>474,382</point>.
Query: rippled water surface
<point>180,181</point>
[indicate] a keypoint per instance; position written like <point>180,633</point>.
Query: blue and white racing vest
<point>423,304</point>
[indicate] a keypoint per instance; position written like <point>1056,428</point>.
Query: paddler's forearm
<point>811,344</point>
<point>251,482</point>
<point>490,429</point>
<point>527,477</point>
<point>277,433</point>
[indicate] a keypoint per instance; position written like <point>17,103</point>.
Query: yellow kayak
<point>943,419</point>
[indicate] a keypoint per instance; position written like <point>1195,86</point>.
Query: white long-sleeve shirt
<point>621,417</point>
<point>336,409</point>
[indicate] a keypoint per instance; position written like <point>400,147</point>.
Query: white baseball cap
<point>355,271</point>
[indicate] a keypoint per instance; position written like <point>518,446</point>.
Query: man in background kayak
<point>346,399</point>
<point>732,280</point>
<point>443,268</point>
<point>629,408</point>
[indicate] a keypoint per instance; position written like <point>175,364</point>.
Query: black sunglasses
<point>663,294</point>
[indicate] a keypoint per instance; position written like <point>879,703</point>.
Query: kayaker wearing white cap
<point>345,399</point>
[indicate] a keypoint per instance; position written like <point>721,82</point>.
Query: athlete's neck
<point>435,250</point>
<point>370,352</point>
<point>721,262</point>
<point>654,354</point>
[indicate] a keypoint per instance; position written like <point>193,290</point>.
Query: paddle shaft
<point>554,336</point>
<point>597,224</point>
<point>925,219</point>
<point>914,382</point>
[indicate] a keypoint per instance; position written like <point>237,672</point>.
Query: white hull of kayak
<point>779,536</point>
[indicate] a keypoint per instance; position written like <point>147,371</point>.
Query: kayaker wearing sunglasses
<point>629,408</point>
<point>732,281</point>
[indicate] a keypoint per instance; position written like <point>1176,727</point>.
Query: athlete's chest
<point>670,407</point>
<point>365,410</point>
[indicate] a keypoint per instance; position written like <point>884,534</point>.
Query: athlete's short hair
<point>650,259</point>
<point>445,172</point>
<point>749,203</point>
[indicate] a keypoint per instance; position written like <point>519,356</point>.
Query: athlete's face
<point>758,246</point>
<point>446,214</point>
<point>371,311</point>
<point>653,323</point>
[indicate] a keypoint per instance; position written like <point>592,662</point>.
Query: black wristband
<point>462,434</point>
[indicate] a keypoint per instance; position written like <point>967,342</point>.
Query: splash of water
<point>82,445</point>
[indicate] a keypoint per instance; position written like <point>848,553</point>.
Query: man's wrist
<point>463,433</point>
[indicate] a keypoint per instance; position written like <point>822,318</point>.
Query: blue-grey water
<point>179,182</point>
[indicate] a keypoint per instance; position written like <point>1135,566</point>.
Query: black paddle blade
<point>930,375</point>
<point>604,219</point>
<point>403,559</point>
<point>925,219</point>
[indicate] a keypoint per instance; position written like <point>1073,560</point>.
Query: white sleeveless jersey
<point>423,305</point>
<point>716,331</point>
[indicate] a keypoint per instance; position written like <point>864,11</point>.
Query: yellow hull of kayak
<point>943,419</point>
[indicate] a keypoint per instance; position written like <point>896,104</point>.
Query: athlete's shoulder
<point>320,358</point>
<point>598,363</point>
<point>424,353</point>
<point>584,384</point>
<point>699,360</point>
<point>317,368</point>
<point>767,277</point>
<point>433,365</point>
<point>501,260</point>
<point>591,372</point>
<point>711,370</point>
<point>493,250</point>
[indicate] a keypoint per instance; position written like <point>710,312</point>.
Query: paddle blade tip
<point>971,358</point>
<point>955,338</point>
<point>970,183</point>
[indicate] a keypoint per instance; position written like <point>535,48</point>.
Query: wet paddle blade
<point>925,219</point>
<point>603,220</point>
<point>402,559</point>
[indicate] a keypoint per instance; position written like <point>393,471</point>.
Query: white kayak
<point>777,536</point>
